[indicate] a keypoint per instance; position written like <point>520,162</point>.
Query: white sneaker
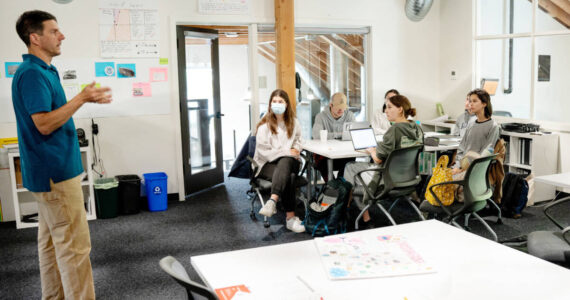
<point>294,224</point>
<point>268,209</point>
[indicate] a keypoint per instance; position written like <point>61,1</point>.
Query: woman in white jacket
<point>277,153</point>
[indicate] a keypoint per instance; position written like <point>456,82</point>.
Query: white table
<point>559,180</point>
<point>468,267</point>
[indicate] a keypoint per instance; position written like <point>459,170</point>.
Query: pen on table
<point>305,283</point>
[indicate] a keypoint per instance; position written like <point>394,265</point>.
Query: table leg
<point>310,176</point>
<point>330,168</point>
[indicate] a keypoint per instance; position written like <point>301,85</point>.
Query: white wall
<point>405,55</point>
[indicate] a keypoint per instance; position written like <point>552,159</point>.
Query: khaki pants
<point>64,243</point>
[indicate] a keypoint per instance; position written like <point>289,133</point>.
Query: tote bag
<point>441,173</point>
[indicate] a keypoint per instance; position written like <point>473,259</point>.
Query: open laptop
<point>346,127</point>
<point>363,138</point>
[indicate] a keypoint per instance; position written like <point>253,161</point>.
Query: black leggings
<point>279,173</point>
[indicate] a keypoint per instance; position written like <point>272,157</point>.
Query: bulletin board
<point>139,86</point>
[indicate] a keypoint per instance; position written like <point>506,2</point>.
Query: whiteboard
<point>125,103</point>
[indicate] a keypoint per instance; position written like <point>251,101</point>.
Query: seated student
<point>277,152</point>
<point>481,134</point>
<point>332,120</point>
<point>402,133</point>
<point>464,120</point>
<point>379,121</point>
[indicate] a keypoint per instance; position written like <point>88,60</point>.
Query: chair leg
<point>411,203</point>
<point>466,221</point>
<point>393,204</point>
<point>499,215</point>
<point>360,216</point>
<point>265,220</point>
<point>495,238</point>
<point>386,213</point>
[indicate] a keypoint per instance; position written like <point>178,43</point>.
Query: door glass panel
<point>200,99</point>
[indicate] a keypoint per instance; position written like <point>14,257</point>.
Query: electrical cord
<point>97,165</point>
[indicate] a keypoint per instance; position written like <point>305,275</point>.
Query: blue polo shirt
<point>36,88</point>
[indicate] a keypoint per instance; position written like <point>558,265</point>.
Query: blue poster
<point>126,70</point>
<point>11,68</point>
<point>104,69</point>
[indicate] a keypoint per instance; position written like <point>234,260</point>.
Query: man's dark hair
<point>32,22</point>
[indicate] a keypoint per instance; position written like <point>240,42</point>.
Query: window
<point>529,56</point>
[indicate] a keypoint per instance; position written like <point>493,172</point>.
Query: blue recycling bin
<point>156,190</point>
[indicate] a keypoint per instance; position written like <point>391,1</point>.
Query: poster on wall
<point>223,7</point>
<point>128,28</point>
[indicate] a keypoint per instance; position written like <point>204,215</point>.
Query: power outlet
<point>453,75</point>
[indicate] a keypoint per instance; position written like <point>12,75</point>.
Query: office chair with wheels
<point>502,113</point>
<point>195,290</point>
<point>260,187</point>
<point>476,190</point>
<point>553,246</point>
<point>400,175</point>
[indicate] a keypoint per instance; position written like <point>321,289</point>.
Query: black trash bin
<point>129,194</point>
<point>106,197</point>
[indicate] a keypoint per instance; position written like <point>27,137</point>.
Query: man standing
<point>51,161</point>
<point>332,120</point>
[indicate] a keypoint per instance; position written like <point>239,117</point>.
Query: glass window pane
<point>553,15</point>
<point>551,78</point>
<point>266,52</point>
<point>493,62</point>
<point>494,17</point>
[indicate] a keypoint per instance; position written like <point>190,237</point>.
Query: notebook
<point>363,138</point>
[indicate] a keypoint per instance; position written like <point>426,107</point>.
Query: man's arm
<point>48,122</point>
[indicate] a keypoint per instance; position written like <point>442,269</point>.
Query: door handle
<point>219,115</point>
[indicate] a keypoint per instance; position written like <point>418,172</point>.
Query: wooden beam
<point>555,11</point>
<point>285,48</point>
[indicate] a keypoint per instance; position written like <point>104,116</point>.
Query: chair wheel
<point>266,224</point>
<point>252,216</point>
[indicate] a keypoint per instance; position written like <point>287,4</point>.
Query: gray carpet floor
<point>126,250</point>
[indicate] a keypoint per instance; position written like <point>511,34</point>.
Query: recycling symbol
<point>157,190</point>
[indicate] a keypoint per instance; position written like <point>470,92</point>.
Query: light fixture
<point>62,1</point>
<point>231,34</point>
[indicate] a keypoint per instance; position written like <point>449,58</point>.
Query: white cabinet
<point>24,201</point>
<point>533,153</point>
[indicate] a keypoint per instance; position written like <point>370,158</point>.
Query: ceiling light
<point>231,34</point>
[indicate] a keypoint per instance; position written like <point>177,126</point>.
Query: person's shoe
<point>294,224</point>
<point>268,209</point>
<point>365,225</point>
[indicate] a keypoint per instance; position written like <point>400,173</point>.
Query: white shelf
<point>536,154</point>
<point>19,194</point>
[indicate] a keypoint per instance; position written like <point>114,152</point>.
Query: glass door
<point>199,94</point>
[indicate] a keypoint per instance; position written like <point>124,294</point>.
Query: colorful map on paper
<point>346,257</point>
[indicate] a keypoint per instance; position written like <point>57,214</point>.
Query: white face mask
<point>278,108</point>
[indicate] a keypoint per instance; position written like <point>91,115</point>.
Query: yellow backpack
<point>441,173</point>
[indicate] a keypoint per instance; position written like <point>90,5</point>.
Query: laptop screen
<point>363,138</point>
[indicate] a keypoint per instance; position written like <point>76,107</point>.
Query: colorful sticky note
<point>98,85</point>
<point>104,69</point>
<point>142,89</point>
<point>126,70</point>
<point>163,61</point>
<point>11,68</point>
<point>158,74</point>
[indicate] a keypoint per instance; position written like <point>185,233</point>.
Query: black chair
<point>400,176</point>
<point>553,246</point>
<point>260,187</point>
<point>195,290</point>
<point>476,190</point>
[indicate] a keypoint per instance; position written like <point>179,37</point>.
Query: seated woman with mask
<point>277,155</point>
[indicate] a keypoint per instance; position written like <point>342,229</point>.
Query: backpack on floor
<point>328,214</point>
<point>515,195</point>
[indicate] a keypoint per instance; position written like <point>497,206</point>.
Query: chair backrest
<point>502,113</point>
<point>195,290</point>
<point>401,168</point>
<point>477,188</point>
